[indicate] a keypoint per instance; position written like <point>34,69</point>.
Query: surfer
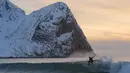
<point>90,60</point>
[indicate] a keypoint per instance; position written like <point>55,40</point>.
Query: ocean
<point>47,68</point>
<point>105,66</point>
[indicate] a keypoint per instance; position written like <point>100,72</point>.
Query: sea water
<point>102,66</point>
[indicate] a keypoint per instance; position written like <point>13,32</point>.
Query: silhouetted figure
<point>90,60</point>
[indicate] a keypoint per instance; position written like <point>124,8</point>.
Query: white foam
<point>125,69</point>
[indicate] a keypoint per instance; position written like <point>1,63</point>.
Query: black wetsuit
<point>90,60</point>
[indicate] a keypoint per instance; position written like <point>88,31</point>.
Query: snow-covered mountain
<point>51,31</point>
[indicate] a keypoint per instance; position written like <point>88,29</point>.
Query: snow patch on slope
<point>10,18</point>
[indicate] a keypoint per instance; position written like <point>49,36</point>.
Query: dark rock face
<point>58,32</point>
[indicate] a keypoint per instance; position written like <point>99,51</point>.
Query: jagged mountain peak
<point>58,7</point>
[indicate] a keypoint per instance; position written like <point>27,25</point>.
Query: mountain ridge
<point>49,32</point>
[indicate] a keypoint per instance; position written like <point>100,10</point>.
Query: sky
<point>106,22</point>
<point>99,19</point>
